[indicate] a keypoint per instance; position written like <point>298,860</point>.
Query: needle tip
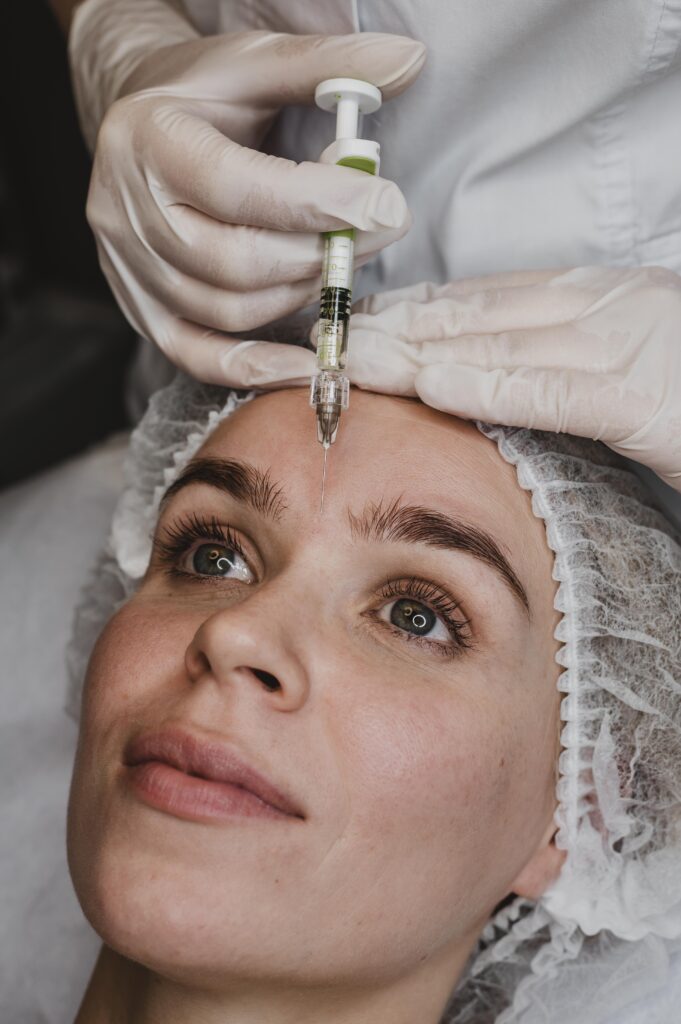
<point>321,503</point>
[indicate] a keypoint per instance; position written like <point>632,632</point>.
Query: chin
<point>177,922</point>
<point>142,916</point>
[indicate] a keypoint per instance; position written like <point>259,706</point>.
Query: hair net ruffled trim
<point>596,940</point>
<point>603,934</point>
<point>618,566</point>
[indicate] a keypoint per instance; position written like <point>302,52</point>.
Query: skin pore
<point>389,664</point>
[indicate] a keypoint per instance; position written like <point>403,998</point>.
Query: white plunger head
<point>351,97</point>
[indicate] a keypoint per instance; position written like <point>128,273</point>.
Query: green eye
<point>412,616</point>
<point>219,560</point>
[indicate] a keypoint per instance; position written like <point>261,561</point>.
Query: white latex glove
<point>200,235</point>
<point>592,351</point>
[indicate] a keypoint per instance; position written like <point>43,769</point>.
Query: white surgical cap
<point>603,934</point>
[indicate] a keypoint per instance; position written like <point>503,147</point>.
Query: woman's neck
<point>123,992</point>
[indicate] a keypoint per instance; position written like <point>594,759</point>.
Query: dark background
<point>64,345</point>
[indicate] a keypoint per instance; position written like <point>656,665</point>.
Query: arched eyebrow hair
<point>415,524</point>
<point>411,524</point>
<point>242,480</point>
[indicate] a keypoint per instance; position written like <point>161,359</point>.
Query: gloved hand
<point>592,351</point>
<point>199,235</point>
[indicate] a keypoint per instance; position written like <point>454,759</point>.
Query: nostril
<point>270,681</point>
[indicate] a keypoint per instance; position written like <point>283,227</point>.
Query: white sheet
<point>50,530</point>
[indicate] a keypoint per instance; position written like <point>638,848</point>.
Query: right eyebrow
<point>414,524</point>
<point>241,480</point>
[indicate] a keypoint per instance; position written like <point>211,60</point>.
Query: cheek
<point>426,762</point>
<point>138,653</point>
<point>141,649</point>
<point>446,778</point>
<point>430,767</point>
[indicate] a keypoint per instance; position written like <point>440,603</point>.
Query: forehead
<point>386,448</point>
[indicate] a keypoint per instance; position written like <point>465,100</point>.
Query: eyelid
<point>174,540</point>
<point>432,595</point>
<point>437,647</point>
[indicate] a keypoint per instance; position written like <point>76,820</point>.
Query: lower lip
<point>186,796</point>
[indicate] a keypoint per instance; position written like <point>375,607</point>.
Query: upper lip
<point>209,759</point>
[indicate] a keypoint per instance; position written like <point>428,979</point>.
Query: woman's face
<point>388,664</point>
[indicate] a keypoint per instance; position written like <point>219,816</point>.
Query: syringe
<point>330,388</point>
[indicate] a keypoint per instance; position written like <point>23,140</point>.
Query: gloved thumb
<point>299,63</point>
<point>270,70</point>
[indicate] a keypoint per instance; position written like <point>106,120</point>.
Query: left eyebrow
<point>415,524</point>
<point>241,480</point>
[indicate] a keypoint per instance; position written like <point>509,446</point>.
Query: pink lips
<point>195,778</point>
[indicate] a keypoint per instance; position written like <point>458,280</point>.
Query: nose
<point>249,643</point>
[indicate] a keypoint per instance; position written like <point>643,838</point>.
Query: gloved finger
<point>299,63</point>
<point>427,291</point>
<point>242,258</point>
<point>570,346</point>
<point>380,361</point>
<point>273,69</point>
<point>212,356</point>
<point>190,345</point>
<point>387,366</point>
<point>576,402</point>
<point>217,359</point>
<point>424,291</point>
<point>504,303</point>
<point>222,310</point>
<point>385,360</point>
<point>490,312</point>
<point>191,162</point>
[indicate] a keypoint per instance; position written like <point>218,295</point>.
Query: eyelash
<point>440,602</point>
<point>178,538</point>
